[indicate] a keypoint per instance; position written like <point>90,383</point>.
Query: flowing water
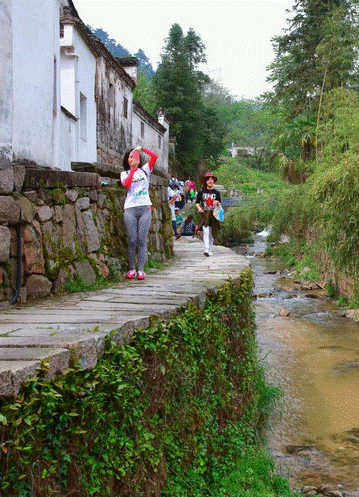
<point>312,353</point>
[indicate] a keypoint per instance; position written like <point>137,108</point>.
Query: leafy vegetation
<point>178,411</point>
<point>177,87</point>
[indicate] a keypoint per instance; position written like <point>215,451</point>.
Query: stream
<point>312,353</point>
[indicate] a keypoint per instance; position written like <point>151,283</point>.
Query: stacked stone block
<point>71,229</point>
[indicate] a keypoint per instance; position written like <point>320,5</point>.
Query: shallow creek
<point>312,354</point>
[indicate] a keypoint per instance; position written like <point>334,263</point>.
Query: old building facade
<point>64,97</point>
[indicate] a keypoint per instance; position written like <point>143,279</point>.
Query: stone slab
<point>49,178</point>
<point>13,374</point>
<point>80,324</point>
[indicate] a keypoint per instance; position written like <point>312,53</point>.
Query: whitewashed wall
<point>6,70</point>
<point>152,139</point>
<point>78,72</point>
<point>36,82</point>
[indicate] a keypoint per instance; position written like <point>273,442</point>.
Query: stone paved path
<point>53,330</point>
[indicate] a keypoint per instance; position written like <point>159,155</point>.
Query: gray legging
<point>137,222</point>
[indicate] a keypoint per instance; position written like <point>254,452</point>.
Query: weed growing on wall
<point>172,413</point>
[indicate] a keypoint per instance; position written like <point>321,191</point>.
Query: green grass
<point>254,477</point>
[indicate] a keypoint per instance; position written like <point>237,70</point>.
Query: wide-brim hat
<point>209,175</point>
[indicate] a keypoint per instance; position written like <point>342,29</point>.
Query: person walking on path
<point>207,199</point>
<point>172,196</point>
<point>137,216</point>
<point>179,220</point>
<point>190,189</point>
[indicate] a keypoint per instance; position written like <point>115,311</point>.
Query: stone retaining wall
<point>72,230</point>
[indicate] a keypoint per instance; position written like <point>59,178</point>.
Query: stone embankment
<point>61,227</point>
<point>79,325</point>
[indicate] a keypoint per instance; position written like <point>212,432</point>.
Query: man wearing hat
<point>207,199</point>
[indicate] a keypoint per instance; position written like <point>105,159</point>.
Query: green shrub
<point>171,413</point>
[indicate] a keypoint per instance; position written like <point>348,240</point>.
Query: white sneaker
<point>206,253</point>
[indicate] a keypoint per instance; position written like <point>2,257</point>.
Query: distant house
<point>241,151</point>
<point>63,97</point>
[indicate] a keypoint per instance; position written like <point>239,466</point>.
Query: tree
<point>143,93</point>
<point>178,88</point>
<point>117,50</point>
<point>144,65</point>
<point>112,46</point>
<point>302,53</point>
<point>194,48</point>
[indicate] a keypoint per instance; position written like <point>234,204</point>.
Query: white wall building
<point>6,73</point>
<point>78,106</point>
<point>63,97</point>
<point>152,134</point>
<point>30,114</point>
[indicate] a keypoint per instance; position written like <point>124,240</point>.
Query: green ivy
<point>171,413</point>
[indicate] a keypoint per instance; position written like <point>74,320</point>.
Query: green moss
<point>58,196</point>
<point>66,255</point>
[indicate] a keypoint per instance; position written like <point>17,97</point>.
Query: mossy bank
<point>171,413</point>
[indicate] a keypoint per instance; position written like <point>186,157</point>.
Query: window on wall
<point>111,94</point>
<point>83,117</point>
<point>142,129</point>
<point>125,108</point>
<point>159,141</point>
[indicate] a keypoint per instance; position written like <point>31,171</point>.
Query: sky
<point>237,34</point>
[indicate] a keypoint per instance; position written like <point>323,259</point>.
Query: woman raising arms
<point>137,216</point>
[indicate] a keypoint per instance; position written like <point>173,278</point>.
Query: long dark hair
<point>126,166</point>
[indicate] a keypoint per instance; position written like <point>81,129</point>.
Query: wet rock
<point>308,488</point>
<point>309,491</point>
<point>307,285</point>
<point>352,314</point>
<point>290,296</point>
<point>263,295</point>
<point>311,296</point>
<point>295,449</point>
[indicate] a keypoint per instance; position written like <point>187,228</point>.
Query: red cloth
<point>128,181</point>
<point>151,164</point>
<point>153,158</point>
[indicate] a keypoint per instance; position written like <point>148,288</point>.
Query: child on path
<point>137,216</point>
<point>189,227</point>
<point>179,220</point>
<point>172,197</point>
<point>207,199</point>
